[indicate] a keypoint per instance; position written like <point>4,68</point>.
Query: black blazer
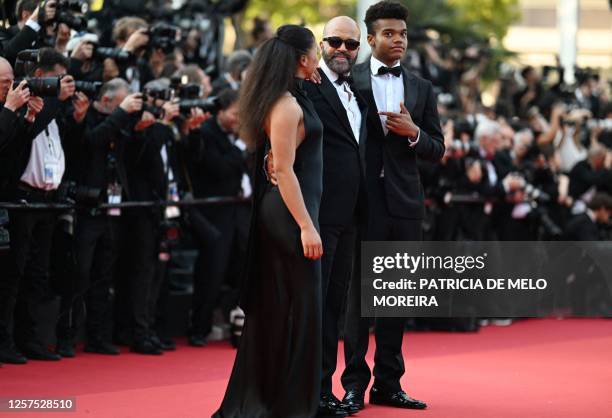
<point>343,156</point>
<point>403,191</point>
<point>581,228</point>
<point>218,165</point>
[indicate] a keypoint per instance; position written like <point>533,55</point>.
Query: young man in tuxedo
<point>403,126</point>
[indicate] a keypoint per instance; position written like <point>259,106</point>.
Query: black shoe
<point>197,340</point>
<point>65,348</point>
<point>145,347</point>
<point>335,402</point>
<point>101,347</point>
<point>397,399</point>
<point>10,355</point>
<point>329,409</point>
<point>354,399</point>
<point>164,345</point>
<point>35,351</point>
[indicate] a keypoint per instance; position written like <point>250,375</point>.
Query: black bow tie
<point>342,78</point>
<point>396,71</point>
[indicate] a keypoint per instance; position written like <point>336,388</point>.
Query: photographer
<point>13,100</point>
<point>153,175</point>
<point>220,169</point>
<point>31,20</point>
<point>101,177</point>
<point>36,171</point>
<point>591,175</point>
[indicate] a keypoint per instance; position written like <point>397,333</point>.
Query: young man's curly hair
<point>385,9</point>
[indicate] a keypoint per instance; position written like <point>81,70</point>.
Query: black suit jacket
<point>218,165</point>
<point>343,156</point>
<point>581,228</point>
<point>403,191</point>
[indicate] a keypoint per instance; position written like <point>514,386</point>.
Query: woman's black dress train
<point>277,370</point>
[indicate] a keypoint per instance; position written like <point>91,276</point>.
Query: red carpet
<point>534,368</point>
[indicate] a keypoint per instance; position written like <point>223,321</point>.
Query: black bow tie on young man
<point>342,78</point>
<point>396,71</point>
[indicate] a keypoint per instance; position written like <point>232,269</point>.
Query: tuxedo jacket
<point>343,156</point>
<point>400,186</point>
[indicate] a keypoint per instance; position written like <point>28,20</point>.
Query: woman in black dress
<point>276,373</point>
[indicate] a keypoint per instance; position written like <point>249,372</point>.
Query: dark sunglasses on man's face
<point>336,42</point>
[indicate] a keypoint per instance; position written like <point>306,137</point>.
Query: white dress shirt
<point>388,93</point>
<point>47,163</point>
<point>348,99</point>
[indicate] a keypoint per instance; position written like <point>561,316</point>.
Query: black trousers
<point>9,284</point>
<point>336,270</point>
<point>142,227</point>
<point>31,236</point>
<point>95,242</point>
<point>218,262</point>
<point>389,332</point>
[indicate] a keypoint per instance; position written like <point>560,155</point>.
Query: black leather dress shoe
<point>335,403</point>
<point>197,340</point>
<point>101,347</point>
<point>163,345</point>
<point>65,348</point>
<point>38,352</point>
<point>145,347</point>
<point>354,399</point>
<point>10,355</point>
<point>328,410</point>
<point>396,399</point>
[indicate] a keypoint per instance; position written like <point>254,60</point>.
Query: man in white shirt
<point>403,126</point>
<point>38,170</point>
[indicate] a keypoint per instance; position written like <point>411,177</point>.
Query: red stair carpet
<point>534,369</point>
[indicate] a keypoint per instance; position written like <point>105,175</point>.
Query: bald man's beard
<point>339,67</point>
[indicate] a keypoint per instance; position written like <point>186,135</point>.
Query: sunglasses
<point>336,42</point>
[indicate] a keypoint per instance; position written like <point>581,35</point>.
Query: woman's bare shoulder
<point>286,107</point>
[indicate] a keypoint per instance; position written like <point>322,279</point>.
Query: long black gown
<point>277,371</point>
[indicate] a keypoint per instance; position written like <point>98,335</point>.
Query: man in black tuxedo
<point>403,125</point>
<point>343,114</point>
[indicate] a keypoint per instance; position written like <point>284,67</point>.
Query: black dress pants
<point>389,332</point>
<point>336,270</point>
<point>95,241</point>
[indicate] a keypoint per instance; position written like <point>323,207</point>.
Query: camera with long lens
<point>39,86</point>
<point>70,12</point>
<point>156,111</point>
<point>164,36</point>
<point>71,192</point>
<point>120,56</point>
<point>208,105</point>
<point>26,62</point>
<point>90,88</point>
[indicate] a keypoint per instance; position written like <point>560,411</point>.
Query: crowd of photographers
<point>100,125</point>
<point>535,165</point>
<point>128,113</point>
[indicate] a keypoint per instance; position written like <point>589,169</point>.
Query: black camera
<point>210,104</point>
<point>90,88</point>
<point>69,191</point>
<point>65,13</point>
<point>158,94</point>
<point>120,56</point>
<point>26,62</point>
<point>163,36</point>
<point>41,86</point>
